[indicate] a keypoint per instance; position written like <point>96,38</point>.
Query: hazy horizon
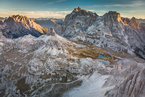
<point>60,8</point>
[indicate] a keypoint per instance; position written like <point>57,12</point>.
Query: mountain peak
<point>77,12</point>
<point>135,24</point>
<point>77,9</point>
<point>18,18</point>
<point>112,15</point>
<point>133,19</point>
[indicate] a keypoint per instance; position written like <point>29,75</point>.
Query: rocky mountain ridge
<point>107,31</point>
<point>17,26</point>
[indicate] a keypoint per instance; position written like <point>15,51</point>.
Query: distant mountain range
<point>141,21</point>
<point>1,18</point>
<point>47,22</point>
<point>108,31</point>
<point>50,22</point>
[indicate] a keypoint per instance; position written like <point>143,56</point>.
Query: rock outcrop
<point>17,26</point>
<point>51,32</point>
<point>129,80</point>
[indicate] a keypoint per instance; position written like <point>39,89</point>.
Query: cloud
<point>132,4</point>
<point>37,14</point>
<point>4,9</point>
<point>56,1</point>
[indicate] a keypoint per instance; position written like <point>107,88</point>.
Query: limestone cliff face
<point>17,26</point>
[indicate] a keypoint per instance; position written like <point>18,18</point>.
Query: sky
<point>60,8</point>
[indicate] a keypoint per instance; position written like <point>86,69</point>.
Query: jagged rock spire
<point>51,31</point>
<point>135,25</point>
<point>133,20</point>
<point>80,12</point>
<point>77,9</point>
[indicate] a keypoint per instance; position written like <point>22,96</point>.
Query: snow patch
<point>91,87</point>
